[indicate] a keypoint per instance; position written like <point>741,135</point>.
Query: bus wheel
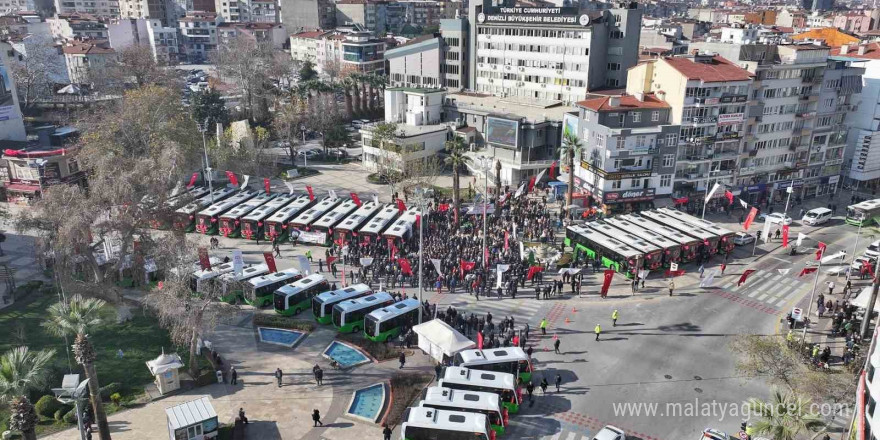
<point>355,329</point>
<point>296,312</point>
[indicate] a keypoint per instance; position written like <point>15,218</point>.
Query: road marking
<point>781,301</point>
<point>727,285</point>
<point>754,293</point>
<point>762,297</point>
<point>764,285</point>
<point>777,276</point>
<point>571,435</point>
<point>556,436</point>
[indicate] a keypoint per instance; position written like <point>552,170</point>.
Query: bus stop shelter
<point>439,340</point>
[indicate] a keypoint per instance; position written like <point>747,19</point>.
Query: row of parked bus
<point>648,240</point>
<point>252,215</point>
<point>473,398</point>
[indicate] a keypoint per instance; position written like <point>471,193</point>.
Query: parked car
<point>816,216</point>
<point>864,259</point>
<point>774,218</point>
<point>873,250</point>
<point>308,154</point>
<point>743,238</point>
<point>610,433</point>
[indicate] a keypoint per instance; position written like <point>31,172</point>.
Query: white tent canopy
<point>437,338</point>
<point>861,301</point>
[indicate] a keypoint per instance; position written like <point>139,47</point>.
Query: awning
<point>23,188</point>
<point>437,338</point>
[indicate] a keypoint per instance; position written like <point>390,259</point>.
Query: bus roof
<point>273,277</point>
<point>688,229</point>
<point>290,210</point>
<point>666,231</point>
<point>247,272</point>
<point>302,283</point>
<point>491,379</point>
<point>381,219</point>
<point>403,224</point>
<point>701,223</point>
<point>261,212</point>
<point>214,271</point>
<point>629,239</point>
<point>493,355</point>
<point>225,205</point>
<point>646,234</point>
<point>867,205</point>
<point>357,218</point>
<point>248,206</point>
<point>357,303</point>
<point>218,195</point>
<point>444,419</point>
<point>606,241</point>
<point>336,215</point>
<point>395,309</point>
<point>462,399</point>
<point>343,293</point>
<point>310,215</point>
<point>189,195</point>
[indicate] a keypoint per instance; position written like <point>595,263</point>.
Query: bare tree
<point>255,69</point>
<point>333,70</point>
<point>288,123</point>
<point>39,68</point>
<point>770,357</point>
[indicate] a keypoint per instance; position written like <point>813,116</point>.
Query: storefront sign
<point>754,188</point>
<point>617,175</point>
<point>730,118</point>
<point>532,15</point>
<point>711,101</point>
<point>635,195</point>
<point>833,179</point>
<point>797,183</point>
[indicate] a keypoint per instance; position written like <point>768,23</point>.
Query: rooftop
<point>315,34</point>
<point>405,131</point>
<point>715,69</point>
<point>831,36</point>
<point>626,102</point>
<point>532,110</point>
<point>88,48</point>
<point>872,52</point>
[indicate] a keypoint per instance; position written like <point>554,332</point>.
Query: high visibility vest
<point>614,315</point>
<point>598,329</point>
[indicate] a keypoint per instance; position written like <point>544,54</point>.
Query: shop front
<point>634,200</point>
<point>752,194</point>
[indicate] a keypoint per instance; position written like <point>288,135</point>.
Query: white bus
<point>202,280</point>
<point>383,324</point>
<point>688,245</point>
<point>185,217</point>
<point>685,228</point>
<point>293,298</point>
<point>230,223</point>
<point>437,424</point>
<point>724,242</point>
<point>612,253</point>
<point>207,221</point>
<point>252,224</point>
<point>276,225</point>
<point>502,384</point>
<point>348,315</point>
<point>312,214</point>
<point>322,305</point>
<point>402,228</point>
<point>671,249</point>
<point>652,256</point>
<point>354,221</point>
<point>382,219</point>
<point>258,291</point>
<point>328,221</point>
<point>232,285</point>
<point>488,404</point>
<point>511,360</point>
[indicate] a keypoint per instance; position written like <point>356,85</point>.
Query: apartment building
<point>148,9</point>
<point>302,15</point>
<point>67,27</point>
<point>103,8</point>
<point>198,35</point>
<point>369,14</point>
<point>437,60</point>
<point>631,149</point>
<point>862,160</point>
<point>551,54</point>
<point>11,122</point>
<point>353,52</point>
<point>248,11</point>
<point>84,57</point>
<point>304,45</point>
<point>709,97</point>
<point>162,40</point>
<point>270,33</point>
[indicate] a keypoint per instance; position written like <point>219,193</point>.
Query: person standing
<point>544,385</point>
<point>386,432</point>
<point>402,359</point>
<point>277,250</point>
<point>279,375</point>
<point>558,381</point>
<point>614,315</point>
<point>556,346</point>
<point>529,351</point>
<point>544,326</point>
<point>671,287</point>
<point>320,265</point>
<point>242,417</point>
<point>316,417</point>
<point>233,375</point>
<point>530,388</point>
<point>598,331</point>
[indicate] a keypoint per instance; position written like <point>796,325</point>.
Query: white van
<point>816,216</point>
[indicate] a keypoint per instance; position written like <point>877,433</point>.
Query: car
<point>774,218</point>
<point>864,259</point>
<point>873,250</point>
<point>713,434</point>
<point>743,238</point>
<point>310,154</point>
<point>610,433</point>
<point>338,153</point>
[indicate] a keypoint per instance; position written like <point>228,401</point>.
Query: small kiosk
<point>164,369</point>
<point>194,420</point>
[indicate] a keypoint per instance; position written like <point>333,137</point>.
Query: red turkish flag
<point>355,199</point>
<point>400,206</point>
<point>192,180</point>
<point>232,179</point>
<point>532,271</point>
<point>479,340</point>
<point>270,261</point>
<point>784,235</point>
<point>750,218</point>
<point>807,270</point>
<point>820,251</point>
<point>267,185</point>
<point>729,196</point>
<point>869,268</point>
<point>330,260</point>
<point>745,276</point>
<point>467,265</point>
<point>443,207</point>
<point>532,183</point>
<point>506,240</point>
<point>553,170</point>
<point>606,283</point>
<point>404,266</point>
<point>311,193</point>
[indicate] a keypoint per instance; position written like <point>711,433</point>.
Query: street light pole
<point>810,305</point>
<point>204,128</point>
<point>853,257</point>
<point>421,201</point>
<point>869,309</point>
<point>485,163</point>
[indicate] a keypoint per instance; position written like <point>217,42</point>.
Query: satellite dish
<point>80,389</point>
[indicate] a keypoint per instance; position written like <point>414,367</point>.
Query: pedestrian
<point>777,234</point>
<point>723,266</point>
<point>831,288</point>
<point>558,381</point>
<point>320,265</point>
<point>316,417</point>
<point>614,315</point>
<point>437,370</point>
<point>544,326</point>
<point>402,359</point>
<point>530,388</point>
<point>598,331</point>
<point>702,269</point>
<point>386,432</point>
<point>529,351</point>
<point>233,374</point>
<point>544,385</point>
<point>242,417</point>
<point>319,374</point>
<point>643,281</point>
<point>279,375</point>
<point>671,287</point>
<point>556,346</point>
<point>309,256</point>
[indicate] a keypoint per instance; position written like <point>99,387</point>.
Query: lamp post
<point>67,394</point>
<point>706,196</point>
<point>302,128</point>
<point>484,163</point>
<point>203,127</point>
<point>420,200</point>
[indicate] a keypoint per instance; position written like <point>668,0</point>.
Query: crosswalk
<point>768,287</point>
<point>522,309</point>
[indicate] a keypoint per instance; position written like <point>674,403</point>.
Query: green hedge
<point>263,320</point>
<point>108,390</point>
<point>70,417</point>
<point>47,405</point>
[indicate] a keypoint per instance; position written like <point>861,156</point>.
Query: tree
<point>252,66</point>
<point>784,416</point>
<point>570,150</point>
<point>456,158</point>
<point>23,370</point>
<point>37,70</point>
<point>23,418</point>
<point>307,71</point>
<point>288,124</point>
<point>769,357</point>
<point>332,69</point>
<point>78,316</point>
<point>209,106</point>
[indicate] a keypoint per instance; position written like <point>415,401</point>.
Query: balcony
<point>699,121</point>
<point>805,115</point>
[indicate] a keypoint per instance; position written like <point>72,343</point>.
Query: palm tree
<point>570,150</point>
<point>785,416</point>
<point>497,184</point>
<point>77,317</point>
<point>346,89</point>
<point>21,371</point>
<point>456,158</point>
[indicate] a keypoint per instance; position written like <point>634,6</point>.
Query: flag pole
<point>810,305</point>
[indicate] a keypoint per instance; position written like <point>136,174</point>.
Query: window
<point>616,35</point>
<point>637,116</point>
<point>613,66</point>
<point>621,143</point>
<point>635,183</point>
<point>671,139</point>
<point>668,160</point>
<point>615,184</point>
<point>655,116</point>
<point>666,180</point>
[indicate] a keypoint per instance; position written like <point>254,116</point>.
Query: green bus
<point>385,323</point>
<point>259,291</point>
<point>865,213</point>
<point>322,305</point>
<point>348,316</point>
<point>232,285</point>
<point>291,299</point>
<point>208,220</point>
<point>203,281</point>
<point>502,384</point>
<point>437,424</point>
<point>488,404</point>
<point>511,360</point>
<point>589,243</point>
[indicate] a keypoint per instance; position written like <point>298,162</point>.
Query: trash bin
<point>219,376</point>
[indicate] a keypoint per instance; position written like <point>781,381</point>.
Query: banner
<point>376,199</point>
<point>744,204</point>
<point>366,261</point>
<point>643,274</point>
<point>237,263</point>
<point>304,265</point>
<point>540,176</point>
<point>801,237</point>
<point>553,170</point>
<point>400,206</point>
<point>467,266</point>
<point>204,260</point>
<point>506,240</point>
<point>500,276</point>
<point>355,199</point>
<point>766,231</point>
<point>807,270</point>
<point>745,276</point>
<point>311,193</point>
<point>332,194</point>
<point>532,271</point>
<point>519,191</point>
<point>729,196</point>
<point>479,340</point>
<point>832,257</point>
<point>750,218</point>
<point>606,283</point>
<point>709,278</point>
<point>531,184</point>
<point>312,237</point>
<point>270,261</point>
<point>820,251</point>
<point>289,187</point>
<point>711,192</point>
<point>267,185</point>
<point>784,235</point>
<point>232,179</point>
<point>437,266</point>
<point>245,183</point>
<point>192,180</point>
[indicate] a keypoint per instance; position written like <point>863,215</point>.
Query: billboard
<point>534,15</point>
<point>7,103</point>
<point>502,132</point>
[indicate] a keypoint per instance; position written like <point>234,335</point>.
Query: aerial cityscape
<point>439,219</point>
